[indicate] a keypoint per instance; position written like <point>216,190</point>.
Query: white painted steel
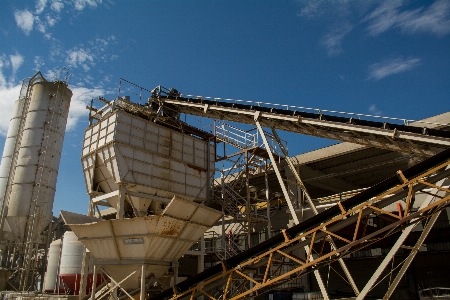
<point>10,144</point>
<point>33,186</point>
<point>149,158</point>
<point>51,275</point>
<point>71,254</point>
<point>155,240</point>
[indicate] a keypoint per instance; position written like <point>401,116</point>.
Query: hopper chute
<point>122,246</point>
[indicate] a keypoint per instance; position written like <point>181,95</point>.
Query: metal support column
<point>222,183</point>
<point>175,272</point>
<point>411,256</point>
<point>313,207</point>
<point>288,200</point>
<point>94,283</point>
<point>266,181</point>
<point>248,211</point>
<point>121,203</point>
<point>143,294</point>
<point>396,246</point>
<point>84,274</point>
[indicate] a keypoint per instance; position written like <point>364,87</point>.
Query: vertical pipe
<point>94,282</point>
<point>142,295</point>
<point>175,274</point>
<point>248,204</point>
<point>224,247</point>
<point>84,273</point>
<point>269,223</point>
<point>120,203</point>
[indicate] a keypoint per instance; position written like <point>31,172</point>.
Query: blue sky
<point>375,57</point>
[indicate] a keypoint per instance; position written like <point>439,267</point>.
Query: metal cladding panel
<point>193,232</point>
<point>38,155</point>
<point>147,155</point>
<point>163,238</point>
<point>206,216</point>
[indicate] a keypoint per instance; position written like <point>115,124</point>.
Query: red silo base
<point>72,283</point>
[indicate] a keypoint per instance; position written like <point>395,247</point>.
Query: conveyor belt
<point>310,223</point>
<point>395,137</point>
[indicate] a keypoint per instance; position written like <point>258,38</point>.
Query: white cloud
<point>57,6</point>
<point>16,62</point>
<point>318,8</point>
<point>9,95</point>
<point>81,4</point>
<point>79,57</point>
<point>434,19</point>
<point>374,110</point>
<point>392,66</point>
<point>333,40</point>
<point>81,97</point>
<point>51,21</point>
<point>38,62</point>
<point>25,20</point>
<point>40,6</point>
<point>9,90</point>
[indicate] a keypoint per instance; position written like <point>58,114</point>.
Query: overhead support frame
<point>419,177</point>
<point>311,203</point>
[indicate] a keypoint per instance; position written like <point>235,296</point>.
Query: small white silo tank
<point>71,261</point>
<point>36,167</point>
<point>51,275</point>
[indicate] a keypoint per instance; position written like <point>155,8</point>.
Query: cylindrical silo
<point>51,275</point>
<point>10,144</point>
<point>71,262</point>
<point>8,153</point>
<point>36,167</point>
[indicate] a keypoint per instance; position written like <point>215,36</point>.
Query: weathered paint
<point>165,238</point>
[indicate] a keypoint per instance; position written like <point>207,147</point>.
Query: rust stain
<point>170,228</point>
<point>198,169</point>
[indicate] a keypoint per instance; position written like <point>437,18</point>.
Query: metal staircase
<point>232,190</point>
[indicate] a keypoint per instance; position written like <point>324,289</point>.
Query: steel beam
<point>428,200</point>
<point>411,256</point>
<point>395,140</point>
<point>313,207</point>
<point>289,202</point>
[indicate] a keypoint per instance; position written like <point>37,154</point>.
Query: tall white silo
<point>15,124</point>
<point>8,152</point>
<point>10,144</point>
<point>35,169</point>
